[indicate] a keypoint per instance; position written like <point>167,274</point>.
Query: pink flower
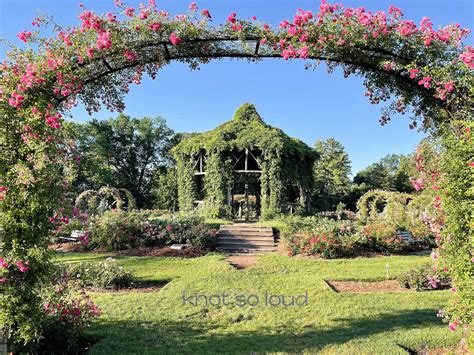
<point>16,100</point>
<point>3,263</point>
<point>435,187</point>
<point>155,26</point>
<point>206,13</point>
<point>468,57</point>
<point>104,41</point>
<point>417,183</point>
<point>169,228</point>
<point>433,255</point>
<point>425,82</point>
<point>231,17</point>
<point>449,86</point>
<point>453,326</point>
<point>129,11</point>
<point>193,7</point>
<point>2,280</point>
<point>304,37</point>
<point>24,36</point>
<point>395,11</point>
<point>175,39</point>
<point>413,73</point>
<point>22,267</point>
<point>303,52</point>
<point>90,52</point>
<point>471,164</point>
<point>263,41</point>
<point>454,290</point>
<point>131,56</point>
<point>254,18</point>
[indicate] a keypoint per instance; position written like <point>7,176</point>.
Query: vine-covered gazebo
<point>244,169</point>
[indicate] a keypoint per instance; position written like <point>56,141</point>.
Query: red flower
<point>169,228</point>
<point>175,39</point>
<point>24,36</point>
<point>231,17</point>
<point>206,13</point>
<point>22,267</point>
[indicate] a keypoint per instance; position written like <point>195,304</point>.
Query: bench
<point>76,236</point>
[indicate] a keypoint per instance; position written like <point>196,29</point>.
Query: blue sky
<point>307,104</point>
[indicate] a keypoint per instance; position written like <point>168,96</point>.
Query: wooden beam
<point>257,47</point>
<point>167,51</point>
<point>106,63</point>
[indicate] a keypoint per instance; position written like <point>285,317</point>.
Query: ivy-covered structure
<point>244,169</point>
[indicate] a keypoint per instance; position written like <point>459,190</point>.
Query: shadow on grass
<point>199,337</point>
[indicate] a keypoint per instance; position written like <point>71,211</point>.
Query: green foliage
<point>165,190</point>
<point>123,152</point>
<point>66,311</point>
<point>118,230</point>
<point>380,237</point>
<point>457,241</point>
<point>285,163</point>
<point>105,274</point>
<point>319,236</point>
<point>391,173</point>
<point>331,174</point>
<point>424,277</point>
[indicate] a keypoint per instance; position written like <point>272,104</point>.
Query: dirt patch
<point>241,262</point>
<point>366,286</point>
<point>138,287</point>
<point>66,247</point>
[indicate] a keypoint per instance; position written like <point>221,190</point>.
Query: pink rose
<point>175,39</point>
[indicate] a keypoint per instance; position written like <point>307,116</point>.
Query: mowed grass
<point>149,323</point>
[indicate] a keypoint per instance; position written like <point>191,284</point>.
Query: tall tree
<point>392,172</point>
<point>331,174</point>
<point>123,152</point>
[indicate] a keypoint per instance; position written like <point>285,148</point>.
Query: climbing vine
<point>414,68</point>
<point>284,162</point>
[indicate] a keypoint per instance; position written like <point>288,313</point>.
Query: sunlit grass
<point>134,322</point>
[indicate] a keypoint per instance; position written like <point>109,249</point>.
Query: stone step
<point>246,238</point>
<point>245,234</point>
<point>246,250</point>
<point>238,245</point>
<point>246,228</point>
<point>244,242</point>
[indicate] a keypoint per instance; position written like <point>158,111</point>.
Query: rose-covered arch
<point>413,68</point>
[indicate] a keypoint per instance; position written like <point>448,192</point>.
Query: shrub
<point>116,229</point>
<point>103,274</point>
<point>425,277</point>
<point>319,236</point>
<point>420,231</point>
<point>171,229</point>
<point>119,230</point>
<point>67,311</point>
<point>381,237</point>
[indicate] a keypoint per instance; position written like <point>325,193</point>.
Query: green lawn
<point>134,322</point>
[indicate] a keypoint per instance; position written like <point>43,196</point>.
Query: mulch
<point>366,286</point>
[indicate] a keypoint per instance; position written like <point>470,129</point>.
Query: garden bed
<point>365,286</point>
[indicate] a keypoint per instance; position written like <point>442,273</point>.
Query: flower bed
<point>120,230</point>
